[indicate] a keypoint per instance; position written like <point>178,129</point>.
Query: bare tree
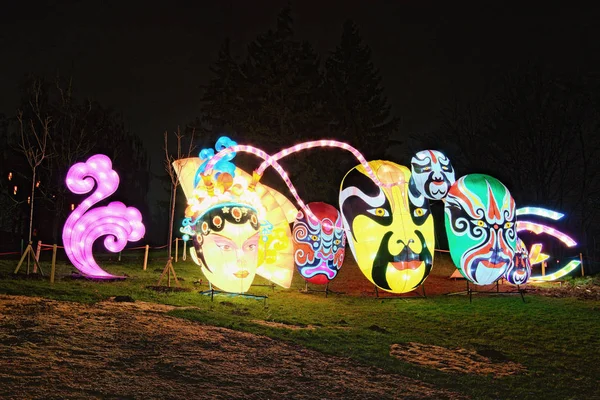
<point>35,135</point>
<point>174,176</point>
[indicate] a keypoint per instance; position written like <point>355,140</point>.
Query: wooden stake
<point>176,248</point>
<point>28,252</point>
<point>581,260</point>
<point>53,269</point>
<point>168,270</point>
<point>146,256</point>
<point>543,268</point>
<point>37,255</point>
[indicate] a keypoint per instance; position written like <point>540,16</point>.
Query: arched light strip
<point>325,143</point>
<point>270,161</point>
<point>539,228</point>
<point>558,274</point>
<point>116,221</point>
<point>542,212</point>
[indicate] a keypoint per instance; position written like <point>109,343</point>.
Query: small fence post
<point>581,260</point>
<point>37,255</point>
<point>119,256</point>
<point>543,268</point>
<point>183,255</point>
<point>146,256</point>
<point>176,248</point>
<point>53,269</point>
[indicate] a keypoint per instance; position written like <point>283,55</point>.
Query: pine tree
<point>357,105</point>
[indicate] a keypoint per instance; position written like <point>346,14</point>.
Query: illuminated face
<point>519,272</point>
<point>480,224</point>
<point>226,247</point>
<point>432,174</point>
<point>319,245</point>
<point>390,230</point>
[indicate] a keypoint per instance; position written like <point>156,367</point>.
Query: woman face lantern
<point>480,224</point>
<point>390,230</point>
<point>226,246</point>
<point>319,245</point>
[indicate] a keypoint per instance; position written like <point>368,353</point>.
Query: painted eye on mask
<point>508,225</point>
<point>427,169</point>
<point>314,237</point>
<point>419,212</point>
<point>379,212</point>
<point>445,168</point>
<point>480,224</point>
<point>336,242</point>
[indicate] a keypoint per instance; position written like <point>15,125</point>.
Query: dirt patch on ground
<point>455,360</point>
<point>53,349</point>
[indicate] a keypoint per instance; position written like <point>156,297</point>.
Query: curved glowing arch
<point>325,143</point>
<point>540,228</point>
<point>567,269</point>
<point>541,212</point>
<point>256,177</point>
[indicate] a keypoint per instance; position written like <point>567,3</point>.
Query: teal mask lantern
<point>480,224</point>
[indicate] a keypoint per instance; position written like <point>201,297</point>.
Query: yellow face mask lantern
<point>389,229</point>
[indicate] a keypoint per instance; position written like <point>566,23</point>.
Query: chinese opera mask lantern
<point>226,235</point>
<point>390,229</point>
<point>432,174</point>
<point>319,245</point>
<point>519,271</point>
<point>480,224</point>
<point>272,257</point>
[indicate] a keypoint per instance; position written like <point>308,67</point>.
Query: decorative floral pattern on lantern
<point>432,174</point>
<point>389,228</point>
<point>116,221</point>
<point>480,224</point>
<point>319,246</point>
<point>519,271</point>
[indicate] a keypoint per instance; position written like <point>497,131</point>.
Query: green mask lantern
<point>480,224</point>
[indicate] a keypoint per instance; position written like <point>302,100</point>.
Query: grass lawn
<point>555,339</point>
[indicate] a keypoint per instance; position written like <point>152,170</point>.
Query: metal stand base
<point>326,291</point>
<point>414,294</point>
<point>470,292</point>
<point>212,293</point>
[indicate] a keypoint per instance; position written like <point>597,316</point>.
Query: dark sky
<point>148,60</point>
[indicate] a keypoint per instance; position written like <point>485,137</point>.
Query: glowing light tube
<point>262,154</point>
<point>567,269</point>
<point>116,221</point>
<point>540,228</point>
<point>542,212</point>
<point>325,143</point>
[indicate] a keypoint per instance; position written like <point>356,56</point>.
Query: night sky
<point>148,61</point>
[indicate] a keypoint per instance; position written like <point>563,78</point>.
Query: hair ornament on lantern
<point>116,221</point>
<point>223,165</point>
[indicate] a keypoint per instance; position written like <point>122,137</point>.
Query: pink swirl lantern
<point>116,221</point>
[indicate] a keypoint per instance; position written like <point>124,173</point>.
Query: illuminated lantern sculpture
<point>535,255</point>
<point>116,221</point>
<point>272,258</point>
<point>480,225</point>
<point>432,174</point>
<point>389,227</point>
<point>519,271</point>
<point>319,246</point>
